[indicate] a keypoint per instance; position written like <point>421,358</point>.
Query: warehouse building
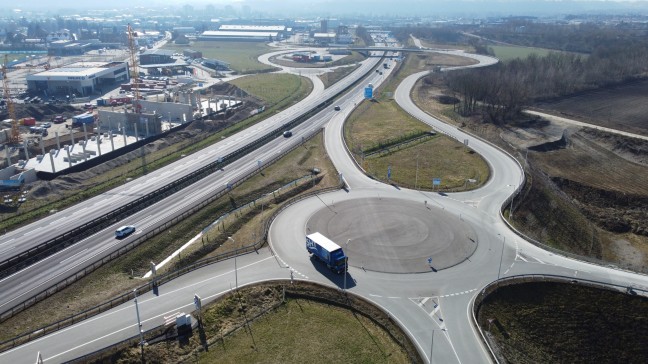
<point>156,56</point>
<point>252,33</point>
<point>81,78</point>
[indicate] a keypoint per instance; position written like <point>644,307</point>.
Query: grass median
<point>241,56</point>
<point>83,185</point>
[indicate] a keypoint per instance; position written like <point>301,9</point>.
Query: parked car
<point>46,124</point>
<point>124,231</point>
<point>58,119</point>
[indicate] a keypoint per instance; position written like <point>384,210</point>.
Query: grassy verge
<point>115,278</point>
<point>565,323</point>
<point>414,165</point>
<point>242,56</point>
<point>564,218</point>
<point>507,53</point>
<point>291,92</point>
<point>354,57</point>
<point>255,326</point>
<point>271,88</point>
<point>329,78</point>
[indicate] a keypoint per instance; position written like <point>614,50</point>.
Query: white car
<point>124,231</point>
<point>46,124</point>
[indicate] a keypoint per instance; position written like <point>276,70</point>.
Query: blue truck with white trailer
<point>327,251</point>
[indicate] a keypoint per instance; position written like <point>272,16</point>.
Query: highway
<point>436,303</point>
<point>46,272</point>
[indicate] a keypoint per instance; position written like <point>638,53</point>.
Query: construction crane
<point>134,69</point>
<point>14,137</point>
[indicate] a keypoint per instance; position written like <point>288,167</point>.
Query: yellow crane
<point>134,69</point>
<point>14,137</point>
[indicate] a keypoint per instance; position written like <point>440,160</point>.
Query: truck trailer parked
<point>327,251</point>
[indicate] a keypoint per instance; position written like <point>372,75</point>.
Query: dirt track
<point>621,107</point>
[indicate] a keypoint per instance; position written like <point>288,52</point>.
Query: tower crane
<point>14,137</point>
<point>134,69</point>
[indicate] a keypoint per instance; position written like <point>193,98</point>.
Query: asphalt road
<point>33,279</point>
<point>426,304</point>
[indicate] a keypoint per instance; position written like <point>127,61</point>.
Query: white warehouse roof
<point>253,28</point>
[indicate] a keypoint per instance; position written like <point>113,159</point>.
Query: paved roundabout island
<point>395,236</point>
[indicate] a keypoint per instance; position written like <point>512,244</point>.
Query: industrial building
<point>156,56</point>
<point>81,78</point>
<point>238,36</point>
<point>252,33</point>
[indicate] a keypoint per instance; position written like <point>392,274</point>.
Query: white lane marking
<point>458,293</point>
<point>6,250</point>
<point>396,298</point>
<point>133,326</point>
<point>291,268</point>
<point>522,257</point>
<point>32,231</point>
<point>374,295</point>
<point>66,259</point>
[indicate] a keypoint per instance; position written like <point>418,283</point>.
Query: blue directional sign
<point>388,172</point>
<point>368,92</point>
<point>436,181</point>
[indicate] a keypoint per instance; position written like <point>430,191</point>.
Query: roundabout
<point>395,236</point>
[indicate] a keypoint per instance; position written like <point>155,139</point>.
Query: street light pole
<point>235,270</point>
<point>346,263</point>
<point>139,323</point>
<point>432,346</point>
<point>501,256</point>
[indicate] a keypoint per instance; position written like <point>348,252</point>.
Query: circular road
<point>395,236</point>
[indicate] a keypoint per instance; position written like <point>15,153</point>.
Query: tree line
<point>500,92</point>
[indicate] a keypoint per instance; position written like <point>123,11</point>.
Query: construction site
<point>78,116</point>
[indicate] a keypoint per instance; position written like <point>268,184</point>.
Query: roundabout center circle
<point>395,236</point>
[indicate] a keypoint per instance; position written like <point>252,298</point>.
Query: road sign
<point>197,302</point>
<point>429,260</point>
<point>388,172</point>
<point>368,92</point>
<point>436,181</point>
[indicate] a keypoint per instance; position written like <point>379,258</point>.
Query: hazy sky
<point>367,7</point>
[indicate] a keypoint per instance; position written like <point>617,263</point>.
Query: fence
<point>297,290</point>
<point>19,340</point>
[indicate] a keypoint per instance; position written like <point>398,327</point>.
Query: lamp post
<point>432,346</point>
<point>501,256</point>
<point>235,270</point>
<point>346,263</point>
<point>139,323</point>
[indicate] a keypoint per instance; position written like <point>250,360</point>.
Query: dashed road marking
<point>291,268</point>
<point>457,293</point>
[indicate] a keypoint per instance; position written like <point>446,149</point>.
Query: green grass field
<point>304,331</point>
<point>414,165</point>
<point>507,53</point>
<point>271,88</point>
<point>242,56</point>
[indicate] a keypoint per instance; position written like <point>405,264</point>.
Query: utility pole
<point>235,270</point>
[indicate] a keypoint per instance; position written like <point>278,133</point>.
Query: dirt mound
<point>550,146</point>
<point>41,111</point>
<point>611,210</point>
<point>632,149</point>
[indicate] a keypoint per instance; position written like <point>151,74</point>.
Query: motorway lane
<point>453,287</point>
<point>24,238</point>
<point>31,279</point>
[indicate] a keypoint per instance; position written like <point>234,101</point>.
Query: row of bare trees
<point>501,91</point>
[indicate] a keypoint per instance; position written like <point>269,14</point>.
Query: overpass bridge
<point>367,50</point>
